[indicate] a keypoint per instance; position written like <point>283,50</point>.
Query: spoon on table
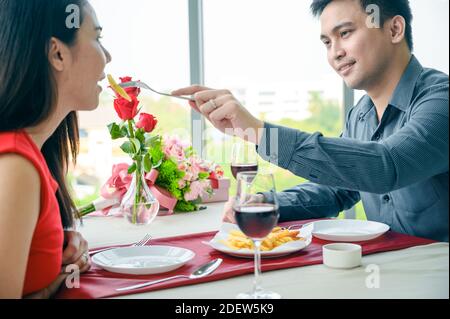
<point>202,271</point>
<point>142,85</point>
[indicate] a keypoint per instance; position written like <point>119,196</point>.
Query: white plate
<point>143,260</point>
<point>279,251</point>
<point>348,230</point>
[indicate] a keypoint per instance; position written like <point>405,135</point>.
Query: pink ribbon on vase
<point>164,197</point>
<point>116,186</point>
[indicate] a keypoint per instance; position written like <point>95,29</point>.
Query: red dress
<point>45,255</point>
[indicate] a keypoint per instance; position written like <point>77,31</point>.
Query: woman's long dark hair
<point>28,91</point>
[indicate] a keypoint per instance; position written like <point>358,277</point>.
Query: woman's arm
<point>81,263</point>
<point>19,212</point>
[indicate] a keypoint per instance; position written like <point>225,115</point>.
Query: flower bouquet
<point>165,171</point>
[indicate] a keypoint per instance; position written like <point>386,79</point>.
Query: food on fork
<point>237,240</point>
<point>116,88</point>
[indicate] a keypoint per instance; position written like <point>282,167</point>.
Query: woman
<point>49,69</point>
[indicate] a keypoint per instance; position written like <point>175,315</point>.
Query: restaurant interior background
<point>267,52</point>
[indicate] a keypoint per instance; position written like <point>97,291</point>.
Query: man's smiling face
<point>357,52</point>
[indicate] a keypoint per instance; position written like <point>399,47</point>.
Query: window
<point>148,40</point>
<point>268,53</point>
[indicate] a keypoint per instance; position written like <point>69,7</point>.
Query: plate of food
<point>143,260</point>
<point>280,242</point>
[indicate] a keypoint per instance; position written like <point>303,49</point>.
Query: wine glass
<point>243,158</point>
<point>256,215</point>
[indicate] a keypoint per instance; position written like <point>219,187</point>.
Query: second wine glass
<point>243,158</point>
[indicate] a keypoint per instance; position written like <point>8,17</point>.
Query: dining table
<point>417,272</point>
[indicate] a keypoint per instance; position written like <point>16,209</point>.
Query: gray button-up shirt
<point>398,166</point>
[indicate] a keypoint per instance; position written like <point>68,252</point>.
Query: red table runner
<point>98,283</point>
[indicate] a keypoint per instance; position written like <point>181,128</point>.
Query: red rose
<point>126,110</point>
<point>147,122</point>
<point>130,91</point>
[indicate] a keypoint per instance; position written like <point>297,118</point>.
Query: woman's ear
<point>397,29</point>
<point>58,55</point>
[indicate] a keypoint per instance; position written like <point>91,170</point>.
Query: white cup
<point>342,255</point>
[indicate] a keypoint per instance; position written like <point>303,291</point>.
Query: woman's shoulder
<point>17,168</point>
<point>20,143</point>
<point>15,141</point>
<point>17,174</point>
<point>17,157</point>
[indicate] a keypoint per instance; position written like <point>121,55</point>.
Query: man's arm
<point>310,201</point>
<point>416,152</point>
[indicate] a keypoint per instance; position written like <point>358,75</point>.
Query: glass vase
<point>139,206</point>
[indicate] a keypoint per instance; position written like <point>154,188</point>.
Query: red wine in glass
<point>238,168</point>
<point>256,220</point>
<point>256,216</point>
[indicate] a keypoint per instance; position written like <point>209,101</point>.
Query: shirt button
<point>274,157</point>
<point>361,117</point>
<point>377,137</point>
<point>386,198</point>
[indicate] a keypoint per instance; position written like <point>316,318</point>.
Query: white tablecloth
<point>418,272</point>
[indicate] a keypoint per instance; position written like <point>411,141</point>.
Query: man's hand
<point>225,112</point>
<point>76,250</point>
<point>228,213</point>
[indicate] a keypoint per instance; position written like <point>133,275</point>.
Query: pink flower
<point>173,148</point>
<point>181,184</point>
<point>194,168</point>
<point>188,177</point>
<point>197,189</point>
<point>118,183</point>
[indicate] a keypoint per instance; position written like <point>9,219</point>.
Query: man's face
<point>358,52</point>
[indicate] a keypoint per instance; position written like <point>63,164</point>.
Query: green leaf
<point>124,129</point>
<point>147,163</point>
<point>203,175</point>
<point>128,148</point>
<point>189,151</point>
<point>140,136</point>
<point>136,144</point>
<point>132,168</point>
<point>158,164</point>
<point>157,156</point>
<point>152,141</point>
<point>116,132</point>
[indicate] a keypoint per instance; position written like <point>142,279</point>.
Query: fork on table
<point>141,242</point>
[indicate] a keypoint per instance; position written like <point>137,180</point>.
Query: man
<point>393,153</point>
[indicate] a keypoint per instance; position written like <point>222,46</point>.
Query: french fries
<point>237,240</point>
<point>118,89</point>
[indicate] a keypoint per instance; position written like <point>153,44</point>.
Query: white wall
<point>430,32</point>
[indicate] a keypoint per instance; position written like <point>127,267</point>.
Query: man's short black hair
<point>388,9</point>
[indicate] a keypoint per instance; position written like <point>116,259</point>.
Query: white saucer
<point>143,260</point>
<point>348,230</point>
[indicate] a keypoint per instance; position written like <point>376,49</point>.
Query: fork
<point>141,242</point>
<point>142,85</point>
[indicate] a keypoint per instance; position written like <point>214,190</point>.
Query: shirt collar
<point>403,92</point>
